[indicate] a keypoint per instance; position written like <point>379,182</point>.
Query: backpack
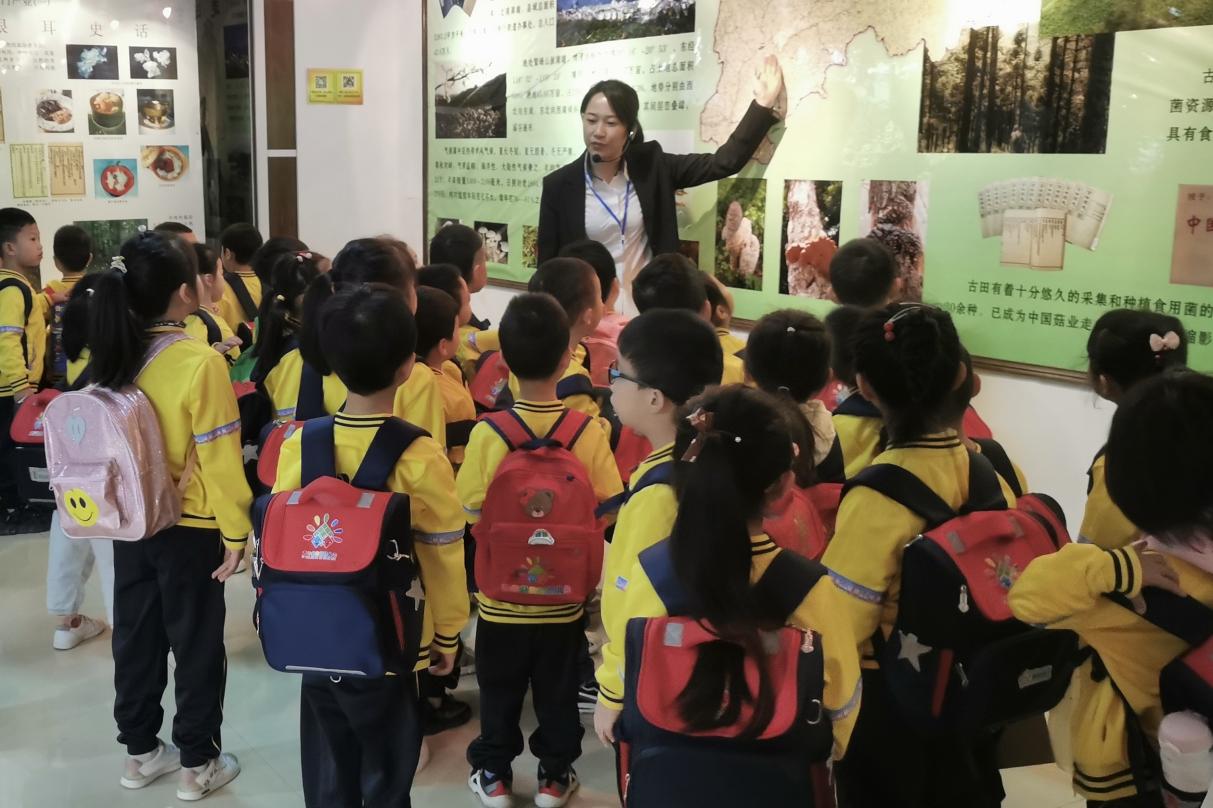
<point>247,305</point>
<point>957,660</point>
<point>630,450</point>
<point>309,405</point>
<point>28,432</point>
<point>335,573</point>
<point>795,524</point>
<point>56,358</point>
<point>105,453</point>
<point>213,333</point>
<point>490,387</point>
<point>992,450</point>
<point>602,349</point>
<point>663,764</point>
<point>538,541</point>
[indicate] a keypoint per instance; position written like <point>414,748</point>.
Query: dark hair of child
<point>436,316</point>
<point>207,265</point>
<point>456,244</point>
<point>1121,346</point>
<point>910,356</point>
<point>673,351</point>
<point>368,334</point>
<point>534,334</point>
<point>597,256</point>
<point>840,325</point>
<point>269,252</point>
<point>126,302</point>
<point>745,448</point>
<point>862,273</point>
<point>1158,457</point>
<point>669,281</point>
<point>73,248</point>
<point>445,277</point>
<point>75,316</point>
<point>962,396</point>
<point>281,305</point>
<point>570,281</point>
<point>175,228</point>
<point>243,240</point>
<point>789,352</point>
<point>12,222</point>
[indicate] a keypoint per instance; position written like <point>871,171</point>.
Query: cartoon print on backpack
<point>538,503</point>
<point>534,577</point>
<point>322,534</point>
<point>80,506</point>
<point>1003,570</point>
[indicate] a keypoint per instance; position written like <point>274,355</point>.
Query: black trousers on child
<point>360,740</point>
<point>165,598</point>
<point>9,497</point>
<point>889,763</point>
<point>510,659</point>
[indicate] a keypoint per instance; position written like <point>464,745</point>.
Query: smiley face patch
<point>80,507</point>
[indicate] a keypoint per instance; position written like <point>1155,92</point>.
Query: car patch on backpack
<point>322,533</point>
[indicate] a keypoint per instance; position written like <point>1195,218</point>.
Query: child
<point>733,456</point>
<point>1125,348</point>
<point>274,248</point>
<point>864,274</point>
<point>461,246</point>
<point>907,363</point>
<point>992,449</point>
<point>360,738</point>
<point>537,646</point>
<point>1157,473</point>
<point>169,588</point>
<point>22,345</point>
<point>671,281</point>
<point>207,324</point>
<point>721,301</point>
<point>181,231</point>
<point>603,345</point>
<point>857,422</point>
<point>666,358</point>
<point>243,293</point>
<point>73,253</point>
<point>789,354</point>
<point>437,337</point>
<point>447,278</point>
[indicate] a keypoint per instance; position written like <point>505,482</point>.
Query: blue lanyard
<point>627,200</point>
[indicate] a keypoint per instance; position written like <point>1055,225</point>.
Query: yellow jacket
<point>472,343</point>
<point>730,343</point>
<point>419,401</point>
<point>20,369</point>
<point>861,435</point>
<point>229,305</point>
<point>457,405</point>
<point>282,384</point>
<point>195,326</point>
<point>1103,524</point>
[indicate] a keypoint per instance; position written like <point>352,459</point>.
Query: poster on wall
<point>1062,158</point>
<point>100,111</point>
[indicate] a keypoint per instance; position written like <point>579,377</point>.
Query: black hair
<point>598,257</point>
<point>73,247</point>
<point>789,352</point>
<point>437,313</point>
<point>12,222</point>
<point>570,281</point>
<point>958,403</point>
<point>747,449</point>
<point>456,244</point>
<point>913,373</point>
<point>669,281</point>
<point>445,277</point>
<point>841,324</point>
<point>279,317</point>
<point>534,335</point>
<point>175,228</point>
<point>673,351</point>
<point>243,240</point>
<point>625,103</point>
<point>364,260</point>
<point>368,333</point>
<point>207,265</point>
<point>1119,346</point>
<point>269,253</point>
<point>1158,457</point>
<point>127,301</point>
<point>75,316</point>
<point>863,273</point>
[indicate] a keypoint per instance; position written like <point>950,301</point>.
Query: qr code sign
<point>348,83</point>
<point>322,82</point>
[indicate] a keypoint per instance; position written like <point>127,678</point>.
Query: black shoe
<point>24,519</point>
<point>10,521</point>
<point>450,713</point>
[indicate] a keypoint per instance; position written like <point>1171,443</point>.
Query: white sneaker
<point>555,793</point>
<point>68,638</point>
<point>204,780</point>
<point>141,772</point>
<point>492,791</point>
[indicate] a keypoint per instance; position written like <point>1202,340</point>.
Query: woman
<point>620,191</point>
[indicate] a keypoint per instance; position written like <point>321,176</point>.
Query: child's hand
<point>442,661</point>
<point>227,344</point>
<point>231,560</point>
<point>604,723</point>
<point>1155,572</point>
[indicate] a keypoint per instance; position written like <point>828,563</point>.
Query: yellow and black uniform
<point>1065,590</point>
<point>1103,524</point>
<point>419,401</point>
<point>199,329</point>
<point>734,370</point>
<point>474,342</point>
<point>230,308</point>
<point>77,366</point>
<point>282,384</point>
<point>54,296</point>
<point>56,291</point>
<point>458,410</point>
<point>730,343</point>
<point>22,336</point>
<point>820,611</point>
<point>165,595</point>
<point>860,429</point>
<point>889,762</point>
<point>580,401</point>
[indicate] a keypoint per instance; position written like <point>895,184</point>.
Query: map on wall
<point>1060,150</point>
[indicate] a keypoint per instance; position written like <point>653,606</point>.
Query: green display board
<point>1030,167</point>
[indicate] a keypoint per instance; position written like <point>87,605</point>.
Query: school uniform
<point>521,646</point>
<point>734,370</point>
<point>1065,590</point>
<point>458,410</point>
<point>164,596</point>
<point>889,762</point>
<point>473,343</point>
<point>22,348</point>
<point>282,385</point>
<point>419,401</point>
<point>820,611</point>
<point>196,326</point>
<point>52,301</point>
<point>1104,524</point>
<point>860,429</point>
<point>369,728</point>
<point>229,306</point>
<point>580,401</point>
<point>730,343</point>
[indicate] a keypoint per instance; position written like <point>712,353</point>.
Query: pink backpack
<point>107,465</point>
<point>603,348</point>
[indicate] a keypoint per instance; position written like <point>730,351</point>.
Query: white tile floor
<point>57,747</point>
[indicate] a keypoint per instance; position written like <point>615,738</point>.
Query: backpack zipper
<point>963,606</point>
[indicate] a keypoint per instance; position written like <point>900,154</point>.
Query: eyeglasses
<point>614,374</point>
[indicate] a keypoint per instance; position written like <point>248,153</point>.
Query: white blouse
<point>605,205</point>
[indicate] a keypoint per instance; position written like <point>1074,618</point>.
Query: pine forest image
<point>1003,91</point>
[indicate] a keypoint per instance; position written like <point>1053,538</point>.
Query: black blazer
<point>656,176</point>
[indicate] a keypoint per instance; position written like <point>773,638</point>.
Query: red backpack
<point>795,524</point>
<point>490,387</point>
<point>538,541</point>
<point>28,433</point>
<point>309,405</point>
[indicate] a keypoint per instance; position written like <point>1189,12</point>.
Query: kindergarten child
<point>721,301</point>
<point>857,422</point>
<point>437,339</point>
<point>461,246</point>
<point>178,229</point>
<point>602,345</point>
<point>73,252</point>
<point>447,278</point>
<point>864,274</point>
<point>242,296</point>
<point>207,324</point>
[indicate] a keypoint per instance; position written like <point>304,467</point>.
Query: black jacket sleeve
<point>549,219</point>
<point>689,170</point>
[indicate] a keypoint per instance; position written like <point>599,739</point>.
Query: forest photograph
<point>1061,17</point>
<point>1014,92</point>
<point>469,102</point>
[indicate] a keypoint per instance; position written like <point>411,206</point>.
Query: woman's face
<point>604,133</point>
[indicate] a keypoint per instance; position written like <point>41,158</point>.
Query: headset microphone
<point>595,158</point>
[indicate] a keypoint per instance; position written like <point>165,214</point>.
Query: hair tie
<point>890,325</point>
<point>89,292</point>
<point>303,255</point>
<point>784,390</point>
<point>791,329</point>
<point>703,422</point>
<point>1166,342</point>
<point>118,263</point>
<point>279,298</point>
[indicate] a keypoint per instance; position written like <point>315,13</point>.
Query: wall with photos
<point>100,117</point>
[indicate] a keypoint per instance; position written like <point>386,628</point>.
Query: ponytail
<point>281,308</point>
<point>310,345</point>
<point>75,316</point>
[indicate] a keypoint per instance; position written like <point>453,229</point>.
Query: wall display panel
<point>1063,158</point>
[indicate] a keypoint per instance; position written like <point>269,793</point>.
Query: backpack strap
<point>857,405</point>
<point>985,486</point>
<point>243,296</point>
<point>587,364</point>
<point>510,427</point>
<point>658,564</point>
<point>832,468</point>
<point>787,582</point>
<point>568,428</point>
<point>82,381</point>
<point>310,403</point>
<point>213,334</point>
<point>458,433</point>
<point>28,300</point>
<point>904,488</point>
<point>574,385</point>
<point>661,474</point>
<point>992,450</point>
<point>1182,616</point>
<point>391,441</point>
<point>318,452</point>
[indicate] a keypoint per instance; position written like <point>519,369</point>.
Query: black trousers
<point>889,763</point>
<point>164,598</point>
<point>510,659</point>
<point>9,497</point>
<point>359,741</point>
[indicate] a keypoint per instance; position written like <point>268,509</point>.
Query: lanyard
<point>627,199</point>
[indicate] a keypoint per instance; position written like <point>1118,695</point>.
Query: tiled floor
<point>57,746</point>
